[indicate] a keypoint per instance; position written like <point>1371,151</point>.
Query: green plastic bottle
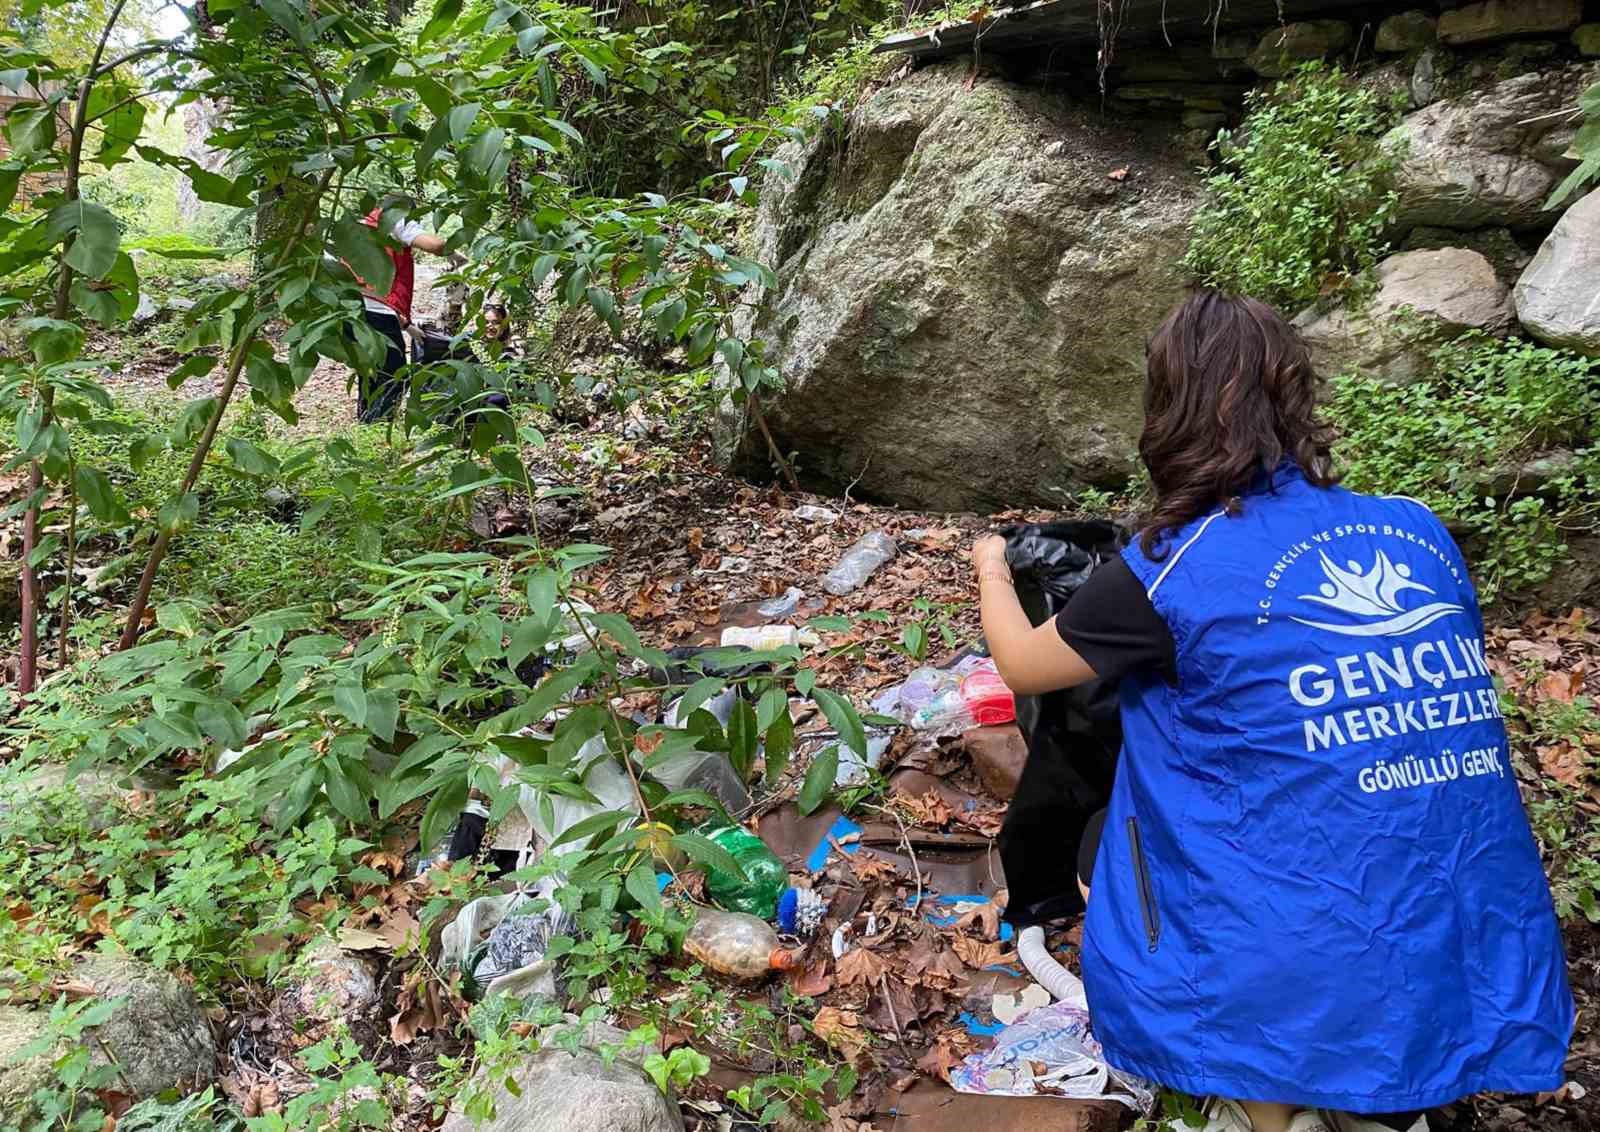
<point>765,876</point>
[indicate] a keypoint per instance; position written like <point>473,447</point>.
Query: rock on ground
<point>1281,49</point>
<point>1489,157</point>
<point>98,792</point>
<point>966,279</point>
<point>1502,19</point>
<point>578,1093</point>
<point>159,1039</point>
<point>1405,31</point>
<point>338,984</point>
<point>1448,291</point>
<point>1558,296</point>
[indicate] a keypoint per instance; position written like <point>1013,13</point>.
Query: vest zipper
<point>1141,876</point>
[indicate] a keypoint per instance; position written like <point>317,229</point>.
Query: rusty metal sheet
<point>933,1106</point>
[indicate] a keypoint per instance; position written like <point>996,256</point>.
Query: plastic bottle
<point>945,714</point>
<point>737,944</point>
<point>760,638</point>
<point>869,552</point>
<point>765,876</point>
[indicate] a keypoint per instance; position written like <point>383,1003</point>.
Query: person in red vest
<point>390,314</point>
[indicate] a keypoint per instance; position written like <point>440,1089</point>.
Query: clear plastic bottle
<point>864,556</point>
<point>765,877</point>
<point>736,944</point>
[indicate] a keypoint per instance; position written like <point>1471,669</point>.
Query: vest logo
<point>1373,595</point>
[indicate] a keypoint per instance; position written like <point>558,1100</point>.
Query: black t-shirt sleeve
<point>1112,625</point>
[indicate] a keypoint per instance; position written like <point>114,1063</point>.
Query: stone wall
<point>968,269</point>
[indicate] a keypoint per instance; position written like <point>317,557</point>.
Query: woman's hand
<point>990,550</point>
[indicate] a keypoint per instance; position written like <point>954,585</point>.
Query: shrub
<point>1487,407</point>
<point>1299,206</point>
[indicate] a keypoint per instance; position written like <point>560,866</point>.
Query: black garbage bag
<point>1073,736</point>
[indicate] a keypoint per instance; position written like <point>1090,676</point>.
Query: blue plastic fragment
<point>662,880</point>
<point>978,1026</point>
<point>787,905</point>
<point>945,919</point>
<point>838,831</point>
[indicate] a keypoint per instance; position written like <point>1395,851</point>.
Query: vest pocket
<point>1141,877</point>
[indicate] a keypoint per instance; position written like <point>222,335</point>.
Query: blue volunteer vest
<point>1317,884</point>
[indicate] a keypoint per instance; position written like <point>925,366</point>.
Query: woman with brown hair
<point>1315,893</point>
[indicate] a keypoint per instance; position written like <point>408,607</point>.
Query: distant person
<point>390,314</point>
<point>497,332</point>
<point>1314,897</point>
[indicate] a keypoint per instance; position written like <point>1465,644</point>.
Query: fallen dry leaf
<point>841,1030</point>
<point>812,981</point>
<point>859,967</point>
<point>980,954</point>
<point>1564,763</point>
<point>1563,687</point>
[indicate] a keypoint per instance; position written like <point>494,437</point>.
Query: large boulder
<point>158,1039</point>
<point>1558,296</point>
<point>576,1092</point>
<point>1423,298</point>
<point>1502,19</point>
<point>1491,156</point>
<point>966,282</point>
<point>1282,49</point>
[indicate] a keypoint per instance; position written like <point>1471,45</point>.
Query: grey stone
<point>1425,77</point>
<point>179,305</point>
<point>336,984</point>
<point>19,1080</point>
<point>157,1040</point>
<point>1406,31</point>
<point>222,281</point>
<point>1529,477</point>
<point>1558,296</point>
<point>1491,156</point>
<point>1423,299</point>
<point>1503,19</point>
<point>1281,49</point>
<point>1497,245</point>
<point>1233,45</point>
<point>579,1092</point>
<point>961,285</point>
<point>98,792</point>
<point>1586,38</point>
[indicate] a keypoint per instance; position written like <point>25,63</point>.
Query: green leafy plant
<point>1300,204</point>
<point>1458,440</point>
<point>1585,147</point>
<point>71,1099</point>
<point>678,1069</point>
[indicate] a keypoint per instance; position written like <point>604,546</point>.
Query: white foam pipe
<point>1052,976</point>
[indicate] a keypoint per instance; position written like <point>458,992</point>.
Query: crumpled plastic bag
<point>1051,1051</point>
<point>501,944</point>
<point>1057,558</point>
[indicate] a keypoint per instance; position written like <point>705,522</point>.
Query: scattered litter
<point>737,944</point>
<point>868,553</point>
<point>854,765</point>
<point>499,942</point>
<point>816,514</point>
<point>764,879</point>
<point>843,833</point>
<point>780,607</point>
<point>762,638</point>
<point>978,1026</point>
<point>1007,1008</point>
<point>732,564</point>
<point>800,911</point>
<point>1050,1051</point>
